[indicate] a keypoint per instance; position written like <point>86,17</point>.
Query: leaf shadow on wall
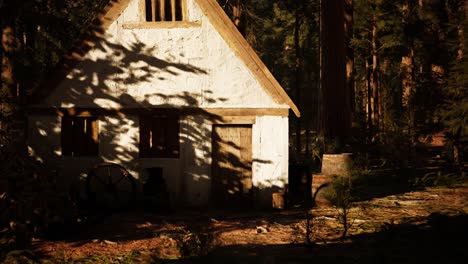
<point>101,85</point>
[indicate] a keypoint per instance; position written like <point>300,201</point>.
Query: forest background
<point>401,75</point>
<point>404,81</point>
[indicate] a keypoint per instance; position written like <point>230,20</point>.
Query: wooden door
<point>232,166</point>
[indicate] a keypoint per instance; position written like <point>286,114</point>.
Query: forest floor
<point>423,226</point>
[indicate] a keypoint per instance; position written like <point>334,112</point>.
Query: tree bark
<point>374,89</point>
<point>457,146</point>
<point>369,113</point>
<point>350,74</point>
<point>336,114</point>
<point>9,90</point>
<point>408,71</point>
<point>297,82</point>
<point>10,47</point>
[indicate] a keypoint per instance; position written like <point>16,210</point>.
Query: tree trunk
<point>350,74</point>
<point>336,114</point>
<point>297,82</point>
<point>369,113</point>
<point>10,47</point>
<point>408,71</point>
<point>407,65</point>
<point>457,146</point>
<point>8,92</point>
<point>461,31</point>
<point>374,89</point>
<point>385,94</point>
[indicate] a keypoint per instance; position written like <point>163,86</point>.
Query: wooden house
<point>167,87</point>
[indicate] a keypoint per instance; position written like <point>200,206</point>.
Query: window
<point>164,10</point>
<point>159,137</point>
<point>80,136</point>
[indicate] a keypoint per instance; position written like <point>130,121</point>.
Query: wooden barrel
<point>337,164</point>
<point>320,183</point>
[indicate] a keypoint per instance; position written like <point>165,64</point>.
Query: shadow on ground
<point>442,240</point>
<point>132,225</point>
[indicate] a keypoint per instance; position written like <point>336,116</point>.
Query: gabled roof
<point>217,17</point>
<point>245,52</point>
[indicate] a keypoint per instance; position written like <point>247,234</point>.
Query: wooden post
<point>162,10</point>
<point>95,130</point>
<point>153,10</point>
<point>173,9</point>
<point>184,10</point>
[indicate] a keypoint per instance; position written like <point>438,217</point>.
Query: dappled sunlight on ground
<point>397,222</point>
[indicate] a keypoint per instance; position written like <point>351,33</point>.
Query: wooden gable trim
<point>238,120</point>
<point>245,52</point>
<point>161,24</point>
<point>216,114</point>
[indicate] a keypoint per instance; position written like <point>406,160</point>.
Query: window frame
<point>155,133</point>
<point>162,11</point>
<point>78,143</point>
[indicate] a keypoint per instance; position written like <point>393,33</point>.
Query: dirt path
<point>395,229</point>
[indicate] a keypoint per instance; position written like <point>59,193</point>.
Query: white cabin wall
<point>132,12</point>
<point>270,157</point>
<point>118,141</point>
<point>161,67</point>
<point>44,143</point>
<point>196,158</point>
<point>188,178</point>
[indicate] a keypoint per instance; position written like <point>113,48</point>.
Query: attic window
<point>164,10</point>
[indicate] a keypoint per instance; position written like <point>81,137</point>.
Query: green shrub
<point>440,178</point>
<point>339,194</point>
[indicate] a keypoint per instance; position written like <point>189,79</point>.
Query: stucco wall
<point>189,177</point>
<point>157,67</point>
<point>270,155</point>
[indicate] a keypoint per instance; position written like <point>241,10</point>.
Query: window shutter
<point>92,135</point>
<point>67,136</point>
<point>145,128</point>
<point>79,136</point>
<point>157,132</point>
<point>172,137</point>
